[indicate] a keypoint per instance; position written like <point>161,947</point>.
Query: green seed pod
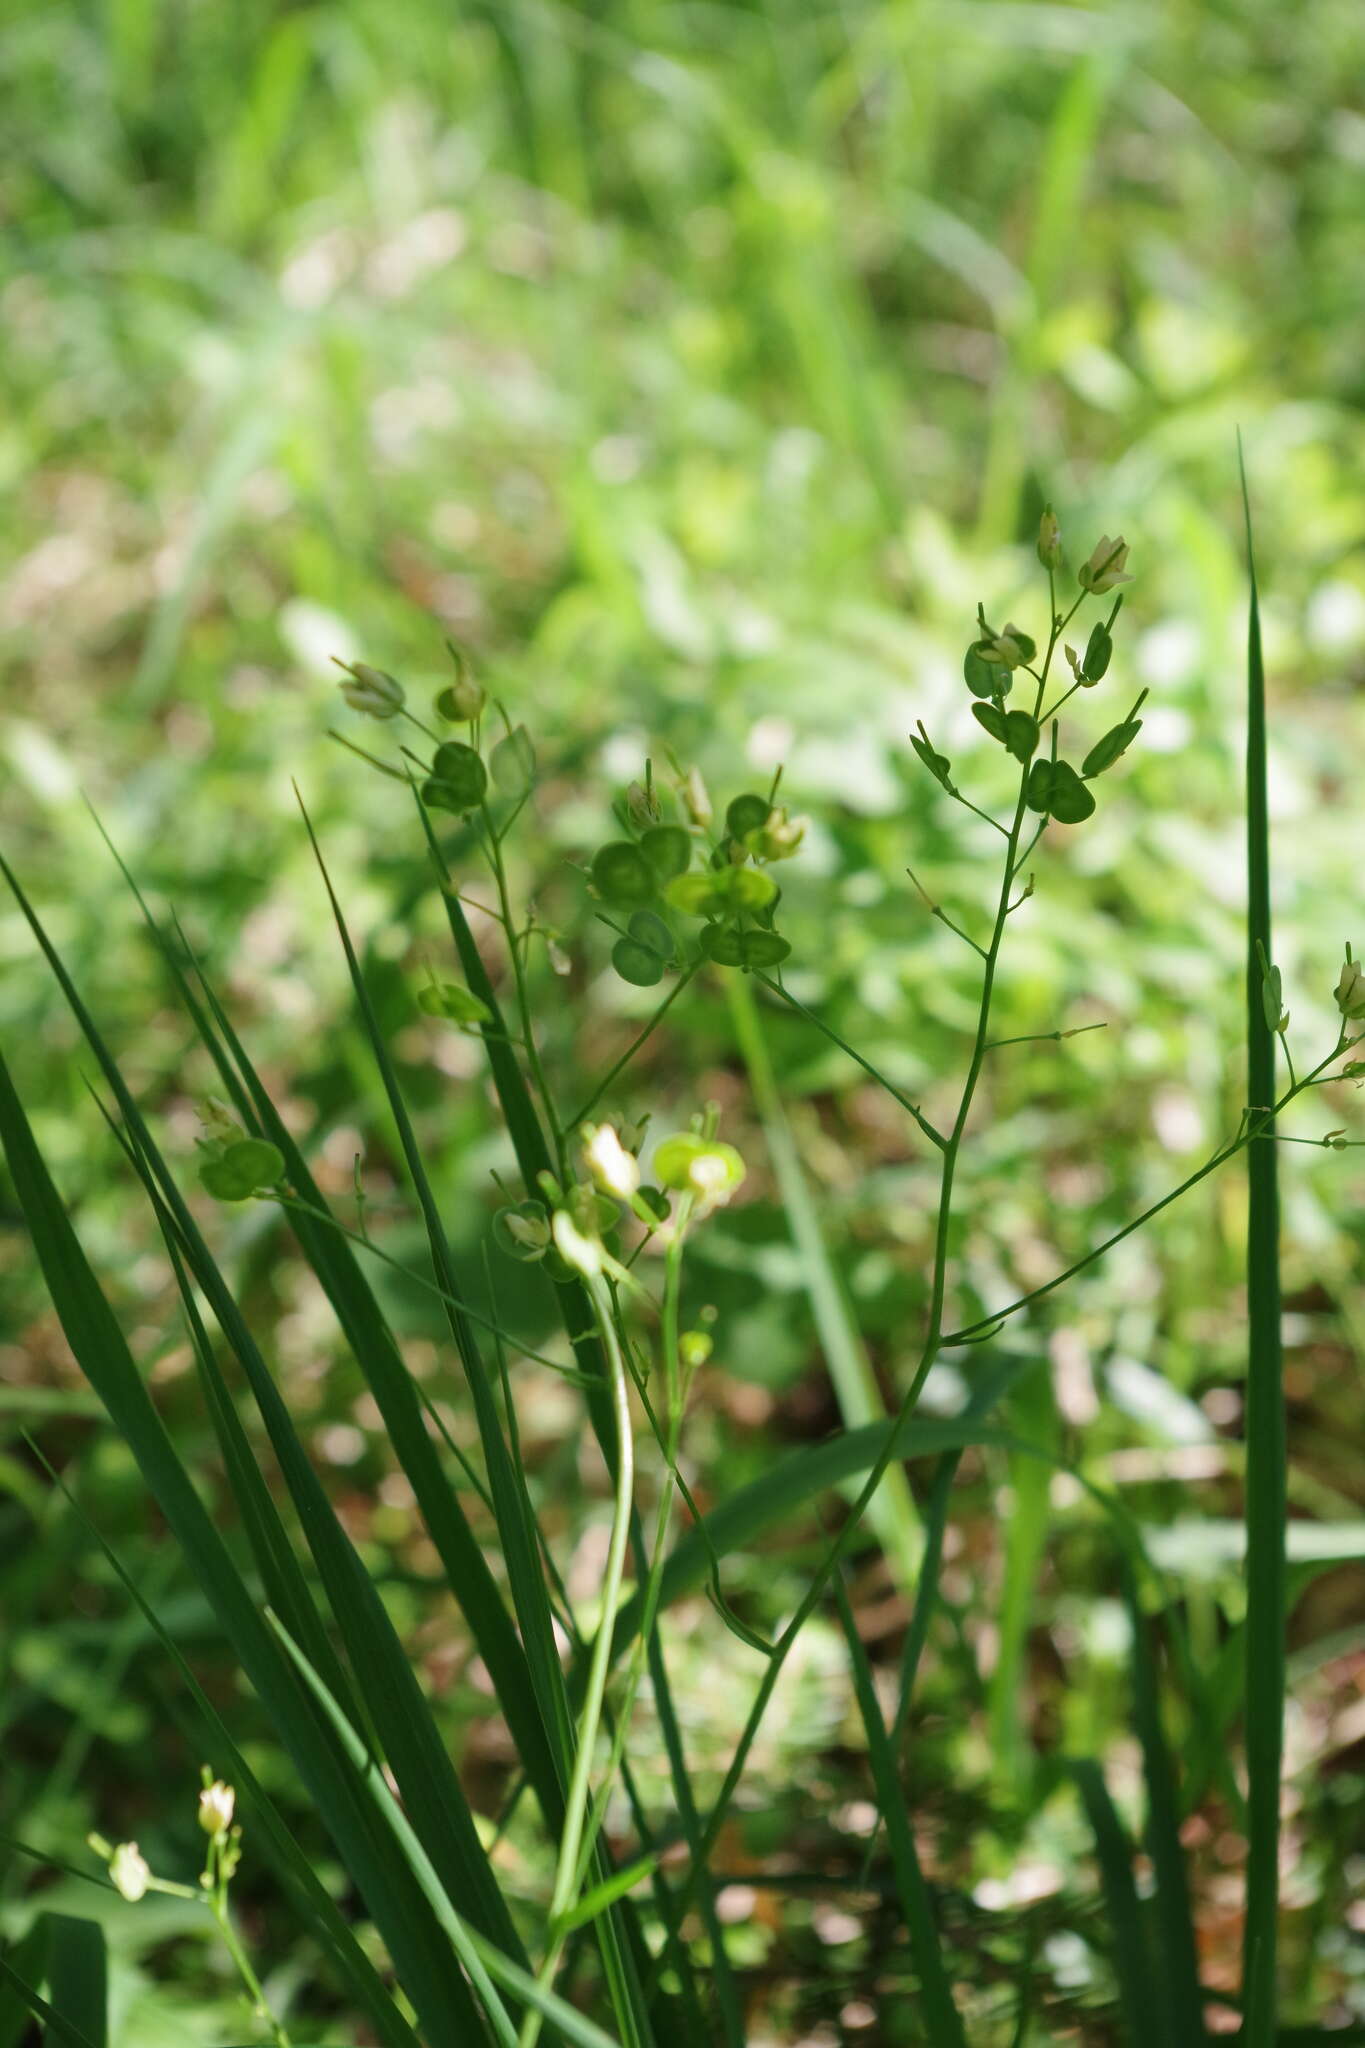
<point>456,1004</point>
<point>983,678</point>
<point>1021,735</point>
<point>992,719</point>
<point>637,964</point>
<point>699,1166</point>
<point>460,777</point>
<point>1055,788</point>
<point>937,764</point>
<point>731,948</point>
<point>242,1169</point>
<point>1049,540</point>
<point>723,891</point>
<point>668,849</point>
<point>513,762</point>
<point>656,1201</point>
<point>621,874</point>
<point>1115,743</point>
<point>522,1230</point>
<point>1098,648</point>
<point>648,929</point>
<point>746,814</point>
<point>461,701</point>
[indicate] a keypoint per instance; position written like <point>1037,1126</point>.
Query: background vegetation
<point>698,369</point>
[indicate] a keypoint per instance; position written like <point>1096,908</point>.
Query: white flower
<point>1105,568</point>
<point>611,1166</point>
<point>216,1803</point>
<point>575,1249</point>
<point>131,1873</point>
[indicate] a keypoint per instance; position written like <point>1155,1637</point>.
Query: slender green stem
<point>839,1547</point>
<point>935,1137</point>
<point>628,1055</point>
<point>566,1882</point>
<point>218,1906</point>
<point>514,951</point>
<point>1254,1125</point>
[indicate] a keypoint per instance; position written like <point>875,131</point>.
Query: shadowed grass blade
<point>1175,1993</point>
<point>1265,1424</point>
<point>942,2021</point>
<point>1114,1854</point>
<point>78,1975</point>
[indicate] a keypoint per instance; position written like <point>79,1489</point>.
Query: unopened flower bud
<point>371,690</point>
<point>1350,989</point>
<point>1104,570</point>
<point>216,1804</point>
<point>642,805</point>
<point>1049,540</point>
<point>696,801</point>
<point>130,1871</point>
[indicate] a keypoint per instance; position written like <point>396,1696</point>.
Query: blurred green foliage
<point>698,369</point>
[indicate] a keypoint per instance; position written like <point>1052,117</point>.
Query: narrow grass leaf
<point>58,2029</point>
<point>1266,1508</point>
<point>1176,1990</point>
<point>1114,1854</point>
<point>415,1940</point>
<point>942,2021</point>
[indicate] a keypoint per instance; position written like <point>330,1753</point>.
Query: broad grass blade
<point>78,1975</point>
<point>1114,1854</point>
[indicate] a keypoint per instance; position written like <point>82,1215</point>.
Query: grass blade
<point>78,1975</point>
<point>942,2021</point>
<point>330,1927</point>
<point>1265,1424</point>
<point>414,1938</point>
<point>1113,1852</point>
<point>1176,1990</point>
<point>58,2029</point>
